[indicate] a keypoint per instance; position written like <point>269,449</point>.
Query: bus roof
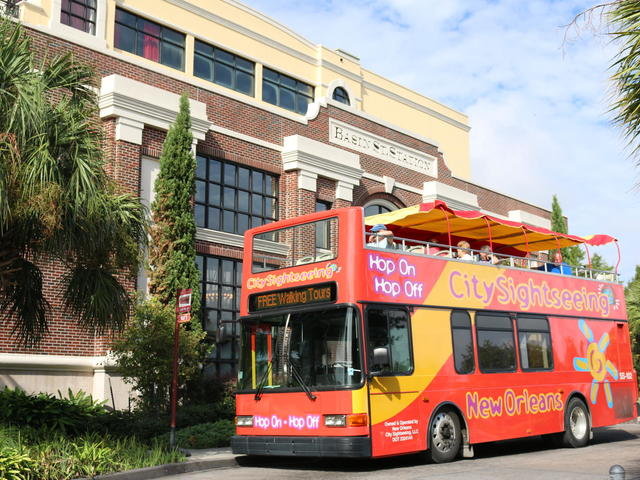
<point>438,218</point>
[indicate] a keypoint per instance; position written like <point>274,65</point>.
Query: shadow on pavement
<point>485,450</point>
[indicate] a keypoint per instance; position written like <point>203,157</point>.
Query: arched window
<point>378,206</point>
<point>341,95</point>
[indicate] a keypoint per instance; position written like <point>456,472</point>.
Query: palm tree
<point>624,17</point>
<point>57,205</point>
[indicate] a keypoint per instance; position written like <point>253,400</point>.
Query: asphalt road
<point>516,459</point>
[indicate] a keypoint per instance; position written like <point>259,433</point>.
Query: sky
<point>534,84</point>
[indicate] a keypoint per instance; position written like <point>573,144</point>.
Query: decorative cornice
<point>135,103</point>
<point>454,197</point>
<point>201,12</point>
<point>315,158</point>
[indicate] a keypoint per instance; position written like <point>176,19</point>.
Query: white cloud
<point>535,91</point>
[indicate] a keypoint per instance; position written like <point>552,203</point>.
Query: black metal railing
<point>9,8</point>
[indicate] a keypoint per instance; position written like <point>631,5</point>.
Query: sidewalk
<point>198,460</point>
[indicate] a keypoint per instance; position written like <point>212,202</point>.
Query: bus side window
<point>496,348</point>
<point>534,341</point>
<point>462,342</point>
<point>389,328</point>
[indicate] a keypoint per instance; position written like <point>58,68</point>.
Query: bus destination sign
<point>293,297</point>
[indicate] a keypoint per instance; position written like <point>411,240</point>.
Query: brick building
<point>281,127</point>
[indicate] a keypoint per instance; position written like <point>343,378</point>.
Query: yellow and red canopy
<point>424,221</point>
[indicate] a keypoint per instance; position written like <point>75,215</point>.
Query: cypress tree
<point>572,255</point>
<point>172,254</point>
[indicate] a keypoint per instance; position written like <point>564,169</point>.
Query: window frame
<point>453,342</point>
<point>533,330</point>
<point>140,34</point>
<point>210,184</point>
<point>280,83</point>
<point>342,97</point>
<point>233,312</point>
<point>369,350</point>
<point>513,339</point>
<point>86,20</point>
<point>235,67</point>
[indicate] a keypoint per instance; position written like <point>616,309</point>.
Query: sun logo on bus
<point>596,363</point>
<point>613,301</point>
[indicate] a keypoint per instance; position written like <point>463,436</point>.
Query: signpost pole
<point>174,385</point>
<point>183,315</point>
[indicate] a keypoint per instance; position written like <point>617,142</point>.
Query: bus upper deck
<point>503,263</point>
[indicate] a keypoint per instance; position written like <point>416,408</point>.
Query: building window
<point>223,68</point>
<point>377,208</point>
<point>80,14</point>
<point>534,340</point>
<point>341,95</point>
<point>285,92</point>
<point>149,40</point>
<point>221,279</point>
<point>323,230</point>
<point>496,349</point>
<point>233,198</point>
<point>462,343</point>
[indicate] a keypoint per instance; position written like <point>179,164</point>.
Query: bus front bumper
<point>302,446</point>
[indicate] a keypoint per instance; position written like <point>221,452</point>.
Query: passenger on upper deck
<point>464,251</point>
<point>559,266</point>
<point>486,255</point>
<point>382,237</point>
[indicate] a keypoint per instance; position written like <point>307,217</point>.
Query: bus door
<point>393,411</point>
<point>261,355</point>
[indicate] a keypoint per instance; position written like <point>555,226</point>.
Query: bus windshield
<point>297,351</point>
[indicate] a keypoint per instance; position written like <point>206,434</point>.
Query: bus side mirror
<point>380,360</point>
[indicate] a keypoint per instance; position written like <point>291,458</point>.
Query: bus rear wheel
<point>445,437</point>
<point>577,424</point>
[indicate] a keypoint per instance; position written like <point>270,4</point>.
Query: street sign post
<point>183,315</point>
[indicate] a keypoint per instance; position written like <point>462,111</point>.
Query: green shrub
<point>16,465</point>
<point>58,457</point>
<point>205,435</point>
<point>71,415</point>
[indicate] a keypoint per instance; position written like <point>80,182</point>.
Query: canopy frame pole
<point>490,237</point>
<point>619,257</point>
<point>526,246</point>
<point>446,216</point>
<point>588,260</point>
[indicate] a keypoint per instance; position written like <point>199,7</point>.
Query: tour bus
<point>351,347</point>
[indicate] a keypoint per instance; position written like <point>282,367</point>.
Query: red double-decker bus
<point>358,344</point>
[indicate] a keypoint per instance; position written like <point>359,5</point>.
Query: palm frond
<point>22,297</point>
<point>97,298</point>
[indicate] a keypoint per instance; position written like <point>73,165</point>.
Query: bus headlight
<point>335,420</point>
<point>244,421</point>
<point>351,420</point>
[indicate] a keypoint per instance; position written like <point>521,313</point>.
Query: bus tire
<point>445,436</point>
<point>577,424</point>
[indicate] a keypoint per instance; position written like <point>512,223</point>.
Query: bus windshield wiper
<point>298,378</point>
<point>263,382</point>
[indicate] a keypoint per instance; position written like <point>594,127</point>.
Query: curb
<point>168,469</point>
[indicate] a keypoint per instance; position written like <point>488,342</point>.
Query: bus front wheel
<point>445,437</point>
<point>577,424</point>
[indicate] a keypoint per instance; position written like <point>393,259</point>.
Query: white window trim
<point>98,40</point>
